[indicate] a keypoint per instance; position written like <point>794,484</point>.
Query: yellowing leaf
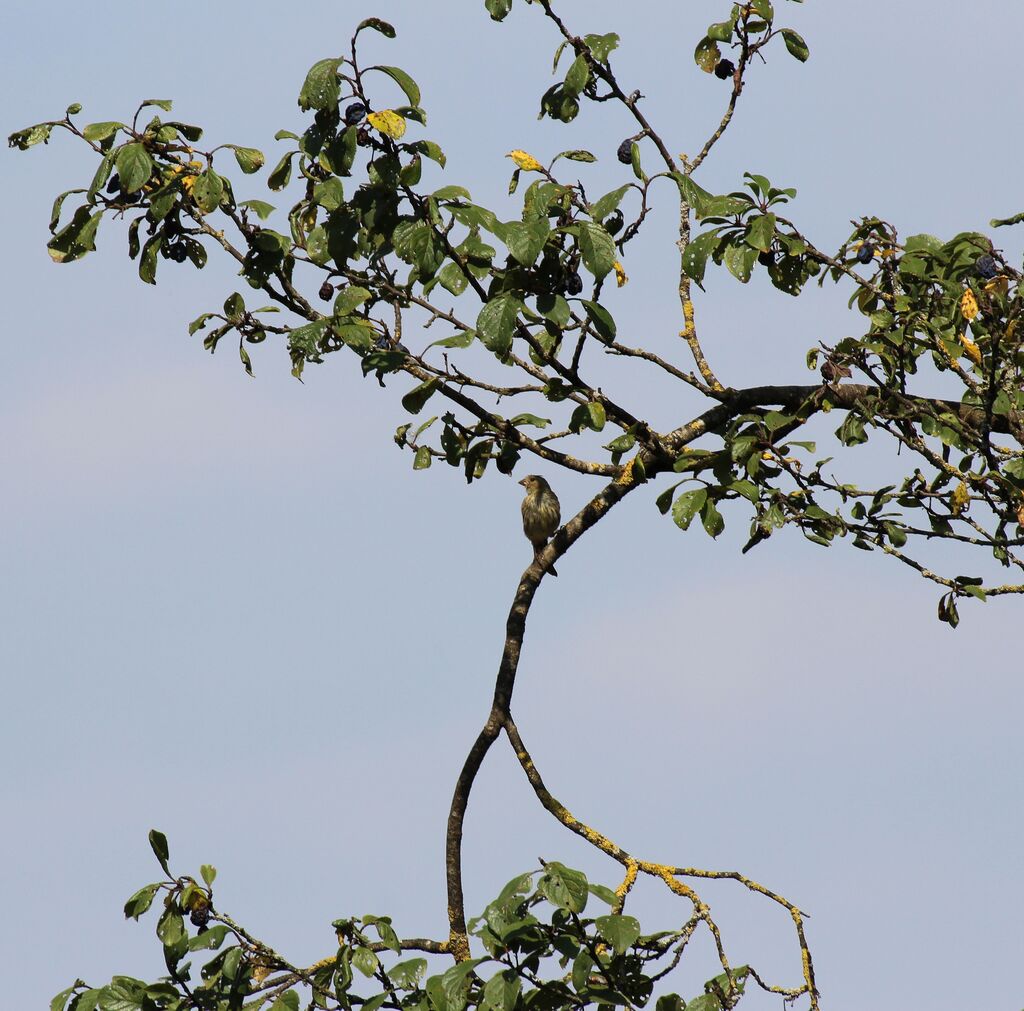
<point>971,349</point>
<point>388,122</point>
<point>1011,329</point>
<point>620,273</point>
<point>524,161</point>
<point>961,498</point>
<point>969,305</point>
<point>998,285</point>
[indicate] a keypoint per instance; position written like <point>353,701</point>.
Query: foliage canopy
<point>526,318</point>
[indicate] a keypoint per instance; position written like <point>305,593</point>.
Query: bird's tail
<point>536,556</point>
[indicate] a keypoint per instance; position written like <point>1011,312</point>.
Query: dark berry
<point>573,284</point>
<point>200,915</point>
<point>382,343</point>
<point>766,259</point>
<point>724,69</point>
<point>625,152</point>
<point>986,266</point>
<point>326,291</point>
<point>177,252</point>
<point>355,113</point>
<point>363,136</point>
<point>866,253</point>
<point>613,222</point>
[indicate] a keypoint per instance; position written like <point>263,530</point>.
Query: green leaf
<point>452,193</point>
<point>134,166</point>
<point>453,278</point>
<point>378,25</point>
<point>316,246</point>
<point>459,340</point>
<point>687,505</point>
<point>761,231</point>
<point>365,960</point>
<point>211,939</point>
<point>30,136</point>
<point>619,931</point>
<point>597,415</point>
<point>740,261</point>
<point>705,1002</point>
<point>601,318</point>
<point>339,154</point>
<point>497,322</point>
<point>321,90</point>
<point>621,444</point>
<point>207,191</point>
<point>158,843</point>
<point>260,208</point>
<point>576,154</point>
<point>86,1000</point>
<point>530,419</point>
<point>416,243</point>
<point>58,1002</point>
<point>608,203</point>
<point>577,77</point>
<point>414,400</point>
<point>140,901</point>
<point>707,54</point>
<point>696,196</point>
<point>498,9</point>
<point>433,151</point>
<point>525,239</point>
<point>171,927</point>
<point>795,44</point>
<point>597,249</point>
<point>249,159</point>
<point>422,459</point>
<point>98,132</point>
<point>720,32</point>
<point>208,873</point>
<point>602,45</point>
<point>455,983</point>
<point>407,975</point>
<point>501,992</point>
<point>605,894</point>
<point>403,80</point>
<point>564,887</point>
<point>58,204</point>
<point>763,8</point>
<point>695,256</point>
<point>712,519</point>
<point>745,488</point>
<point>349,299</point>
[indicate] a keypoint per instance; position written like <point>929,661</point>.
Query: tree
<point>918,296</point>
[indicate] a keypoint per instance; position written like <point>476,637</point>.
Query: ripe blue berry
<point>625,152</point>
<point>866,253</point>
<point>986,266</point>
<point>354,114</point>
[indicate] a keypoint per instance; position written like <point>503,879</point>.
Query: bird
<point>541,513</point>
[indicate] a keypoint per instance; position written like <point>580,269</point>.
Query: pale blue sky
<point>232,611</point>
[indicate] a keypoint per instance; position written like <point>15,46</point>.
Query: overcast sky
<point>232,610</point>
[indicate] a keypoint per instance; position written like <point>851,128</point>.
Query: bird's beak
<point>523,482</point>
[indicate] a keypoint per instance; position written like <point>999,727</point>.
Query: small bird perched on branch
<point>541,513</point>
